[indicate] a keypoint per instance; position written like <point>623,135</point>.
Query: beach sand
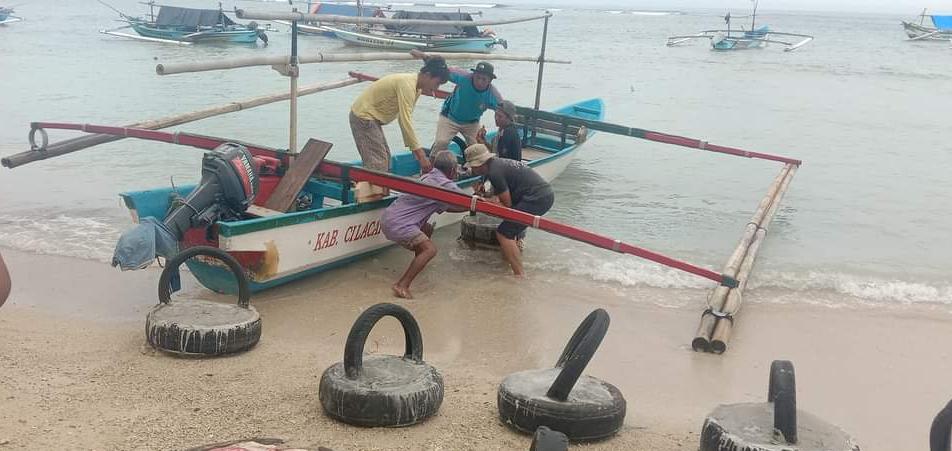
<point>76,372</point>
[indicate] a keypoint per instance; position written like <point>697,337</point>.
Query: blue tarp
<point>942,22</point>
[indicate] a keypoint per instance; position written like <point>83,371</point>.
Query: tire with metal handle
<point>561,398</point>
<point>383,390</point>
<point>773,425</point>
<point>201,327</point>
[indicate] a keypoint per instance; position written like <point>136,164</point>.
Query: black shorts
<point>537,207</point>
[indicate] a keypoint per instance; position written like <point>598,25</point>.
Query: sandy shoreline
<point>75,371</point>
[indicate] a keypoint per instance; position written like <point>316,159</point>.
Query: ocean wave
<point>86,237</point>
<point>632,272</point>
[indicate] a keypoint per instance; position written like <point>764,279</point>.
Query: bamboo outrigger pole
<point>40,152</point>
<point>233,63</point>
<point>408,185</point>
<point>724,303</point>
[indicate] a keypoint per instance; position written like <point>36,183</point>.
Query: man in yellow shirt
<point>393,97</point>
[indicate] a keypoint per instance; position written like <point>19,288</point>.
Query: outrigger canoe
<point>277,249</point>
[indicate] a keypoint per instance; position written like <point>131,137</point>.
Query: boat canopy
<point>434,29</point>
<point>942,22</point>
<point>173,16</point>
<point>344,10</point>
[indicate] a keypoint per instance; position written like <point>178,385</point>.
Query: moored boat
<point>6,16</point>
<point>941,29</point>
<point>188,26</point>
<point>743,39</point>
<point>441,38</point>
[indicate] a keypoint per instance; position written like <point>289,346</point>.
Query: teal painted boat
<point>743,39</point>
<point>334,229</point>
<point>190,26</point>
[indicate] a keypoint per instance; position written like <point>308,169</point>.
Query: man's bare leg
<point>510,251</point>
<point>425,252</point>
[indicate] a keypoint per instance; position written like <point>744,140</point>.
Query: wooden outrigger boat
<point>336,229</point>
<point>6,16</point>
<point>941,29</point>
<point>178,25</point>
<point>438,38</point>
<point>743,39</point>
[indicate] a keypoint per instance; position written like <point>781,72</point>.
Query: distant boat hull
<point>749,40</point>
<point>920,32</point>
<point>239,35</point>
<point>406,43</point>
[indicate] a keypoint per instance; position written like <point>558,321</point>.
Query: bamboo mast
<point>293,72</point>
<point>83,142</point>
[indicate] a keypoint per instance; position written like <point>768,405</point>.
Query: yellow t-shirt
<point>391,97</point>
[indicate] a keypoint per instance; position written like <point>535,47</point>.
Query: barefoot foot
<point>401,292</point>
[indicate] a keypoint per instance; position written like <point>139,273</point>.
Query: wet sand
<point>75,371</point>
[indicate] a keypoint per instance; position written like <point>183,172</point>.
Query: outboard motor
<point>228,186</point>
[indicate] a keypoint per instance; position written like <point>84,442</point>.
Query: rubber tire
<point>941,429</point>
<point>546,439</point>
<point>218,329</point>
<point>480,230</point>
<point>749,427</point>
<point>382,391</point>
<point>579,419</point>
<point>365,401</point>
<point>204,340</point>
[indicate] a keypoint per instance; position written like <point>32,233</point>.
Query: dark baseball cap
<point>508,108</point>
<point>436,66</point>
<point>484,68</point>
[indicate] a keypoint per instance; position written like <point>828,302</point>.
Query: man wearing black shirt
<point>507,143</point>
<point>515,185</point>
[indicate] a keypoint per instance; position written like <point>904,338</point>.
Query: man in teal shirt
<point>473,94</point>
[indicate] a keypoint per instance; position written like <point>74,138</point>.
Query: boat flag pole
<point>293,72</point>
<point>545,32</point>
<point>408,185</point>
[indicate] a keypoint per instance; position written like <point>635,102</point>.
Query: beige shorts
<point>371,143</point>
<point>447,128</point>
<point>413,242</point>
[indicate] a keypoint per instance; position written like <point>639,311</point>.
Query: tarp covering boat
<point>433,29</point>
<point>344,10</point>
<point>942,22</point>
<point>173,16</point>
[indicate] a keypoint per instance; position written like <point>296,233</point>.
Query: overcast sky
<point>904,7</point>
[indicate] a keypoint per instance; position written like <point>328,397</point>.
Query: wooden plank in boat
<point>297,175</point>
<point>530,154</point>
<point>262,212</point>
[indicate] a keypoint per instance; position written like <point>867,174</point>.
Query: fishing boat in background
<point>333,228</point>
<point>437,38</point>
<point>6,16</point>
<point>941,29</point>
<point>335,9</point>
<point>179,25</point>
<point>742,39</point>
